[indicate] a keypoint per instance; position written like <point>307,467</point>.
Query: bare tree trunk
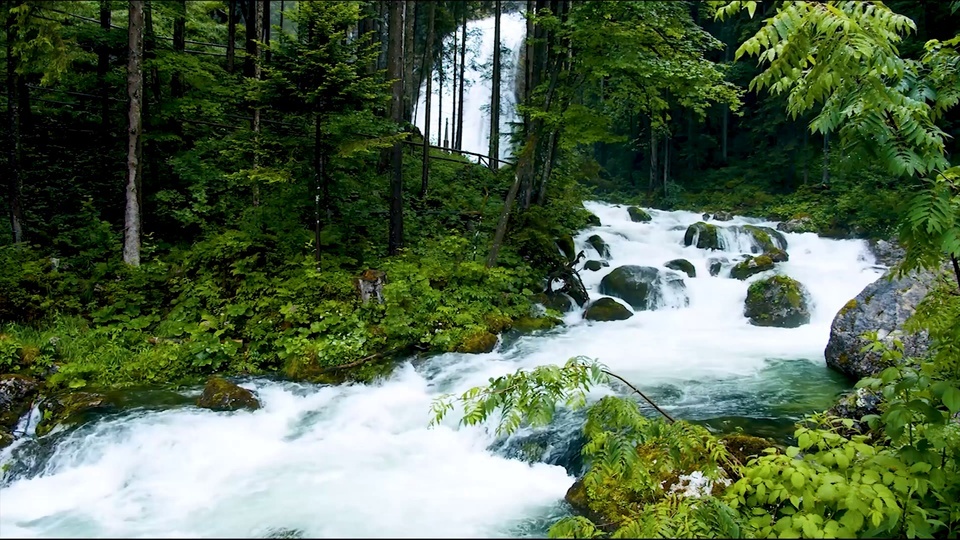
<point>321,197</point>
<point>826,158</point>
<point>440,74</point>
<point>806,162</point>
<point>528,61</point>
<point>179,45</point>
<point>654,168</point>
<point>495,92</point>
<point>395,72</point>
<point>428,69</point>
<point>258,12</point>
<point>251,35</point>
<point>666,161</point>
<point>524,168</point>
<point>382,34</point>
<point>463,57</point>
<point>409,18</point>
<point>13,125</point>
<point>103,67</point>
<point>453,91</point>
<point>231,34</point>
<point>131,221</point>
<point>265,23</point>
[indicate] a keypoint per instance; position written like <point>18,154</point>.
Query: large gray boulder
<point>887,252</point>
<point>597,243</point>
<point>220,394</point>
<point>682,265</point>
<point>703,235</point>
<point>17,393</point>
<point>883,306</point>
<point>641,286</point>
<point>606,309</point>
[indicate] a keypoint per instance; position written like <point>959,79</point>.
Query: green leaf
<point>951,398</point>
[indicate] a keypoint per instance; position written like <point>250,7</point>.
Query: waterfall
<point>477,91</point>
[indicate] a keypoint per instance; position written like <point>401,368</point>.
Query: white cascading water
<point>477,91</point>
<point>360,460</point>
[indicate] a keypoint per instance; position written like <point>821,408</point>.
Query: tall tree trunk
<point>409,32</point>
<point>440,67</point>
<point>826,158</point>
<point>265,23</point>
<point>654,167</point>
<point>428,69</point>
<point>382,33</point>
<point>395,72</point>
<point>231,35</point>
<point>524,168</point>
<point>724,130</point>
<point>103,67</point>
<point>13,129</point>
<point>528,61</point>
<point>131,221</point>
<point>251,35</point>
<point>806,161</point>
<point>453,88</point>
<point>322,193</point>
<point>258,13</point>
<point>463,63</point>
<point>179,45</point>
<point>495,92</point>
<point>666,161</point>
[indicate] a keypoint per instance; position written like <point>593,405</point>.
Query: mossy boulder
<point>715,264</point>
<point>16,396</point>
<point>745,447</point>
<point>71,408</point>
<point>593,220</point>
<point>777,301</point>
<point>777,255</point>
<point>638,215</point>
<point>477,343</point>
<point>635,284</point>
<point>799,224</point>
<point>220,394</point>
<point>682,265</point>
<point>600,245</point>
<point>6,438</point>
<point>765,238</point>
<point>606,309</point>
<point>595,265</point>
<point>531,324</point>
<point>751,266</point>
<point>579,499</point>
<point>567,247</point>
<point>554,300</point>
<point>702,235</point>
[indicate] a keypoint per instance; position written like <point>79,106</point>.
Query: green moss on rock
<point>777,301</point>
<point>751,266</point>
<point>566,245</point>
<point>477,343</point>
<point>682,265</point>
<point>597,243</point>
<point>592,265</point>
<point>531,324</point>
<point>702,235</point>
<point>638,215</point>
<point>220,394</point>
<point>16,396</point>
<point>606,309</point>
<point>70,408</point>
<point>6,438</point>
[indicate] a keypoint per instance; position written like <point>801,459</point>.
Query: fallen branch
<point>634,388</point>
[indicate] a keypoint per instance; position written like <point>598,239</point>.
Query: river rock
<point>765,239</point>
<point>777,255</point>
<point>370,285</point>
<point>777,301</point>
<point>703,235</point>
<point>887,252</point>
<point>220,394</point>
<point>478,343</point>
<point>17,393</point>
<point>638,285</point>
<point>598,244</point>
<point>594,265</point>
<point>606,309</point>
<point>593,220</point>
<point>70,408</point>
<point>6,438</point>
<point>884,306</point>
<point>798,225</point>
<point>531,324</point>
<point>751,266</point>
<point>723,216</point>
<point>567,247</point>
<point>638,214</point>
<point>554,300</point>
<point>715,264</point>
<point>682,265</point>
<point>855,406</point>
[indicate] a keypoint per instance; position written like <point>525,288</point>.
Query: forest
<point>240,188</point>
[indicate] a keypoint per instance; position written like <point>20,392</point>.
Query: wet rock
<point>594,265</point>
<point>370,285</point>
<point>638,215</point>
<point>887,252</point>
<point>530,324</point>
<point>6,438</point>
<point>579,500</point>
<point>567,247</point>
<point>598,244</point>
<point>855,405</point>
<point>777,301</point>
<point>220,394</point>
<point>765,238</point>
<point>481,342</point>
<point>638,285</point>
<point>606,309</point>
<point>554,300</point>
<point>797,225</point>
<point>744,448</point>
<point>682,265</point>
<point>71,408</point>
<point>751,266</point>
<point>723,216</point>
<point>716,264</point>
<point>17,393</point>
<point>593,220</point>
<point>778,255</point>
<point>882,306</point>
<point>703,235</point>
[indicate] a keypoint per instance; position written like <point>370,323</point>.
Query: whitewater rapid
<point>360,460</point>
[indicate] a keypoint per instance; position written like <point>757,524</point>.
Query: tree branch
<point>634,388</point>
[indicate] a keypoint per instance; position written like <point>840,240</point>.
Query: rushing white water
<point>360,461</point>
<point>477,92</point>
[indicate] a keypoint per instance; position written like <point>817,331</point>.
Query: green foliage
<point>931,227</point>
